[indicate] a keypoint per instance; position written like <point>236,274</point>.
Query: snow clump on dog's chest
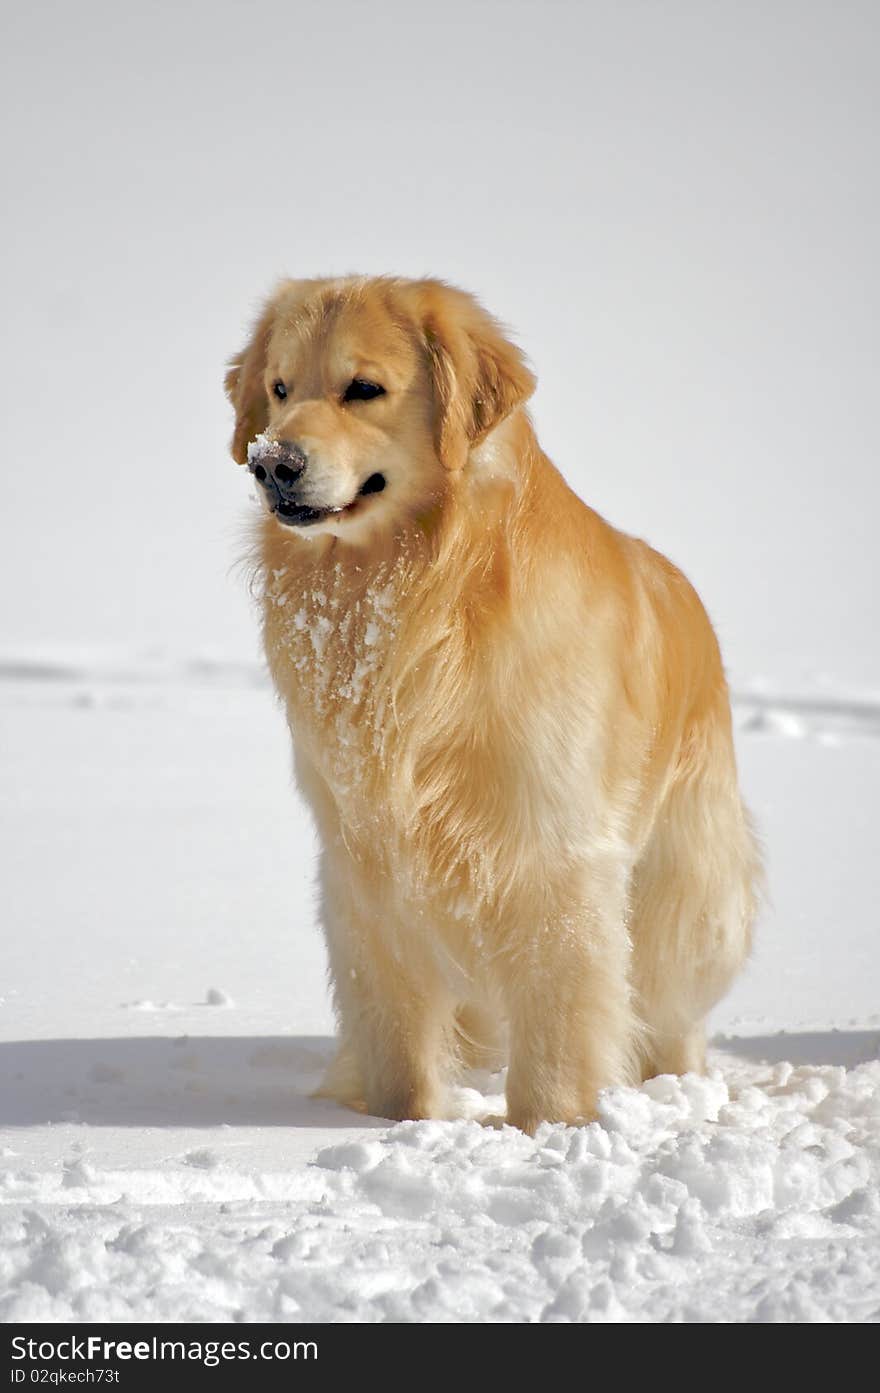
<point>336,637</point>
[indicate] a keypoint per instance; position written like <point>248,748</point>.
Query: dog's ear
<point>479,375</point>
<point>246,389</point>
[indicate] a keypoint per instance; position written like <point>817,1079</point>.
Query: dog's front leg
<point>572,1028</point>
<point>400,1039</point>
<point>396,1033</point>
<point>396,1022</point>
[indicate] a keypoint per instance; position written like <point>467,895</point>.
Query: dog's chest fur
<point>329,635</point>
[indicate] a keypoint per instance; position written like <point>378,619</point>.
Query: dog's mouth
<point>291,514</point>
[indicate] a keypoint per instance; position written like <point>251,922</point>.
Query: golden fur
<point>510,720</point>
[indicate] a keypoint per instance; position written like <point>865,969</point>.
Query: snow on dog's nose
<point>276,465</point>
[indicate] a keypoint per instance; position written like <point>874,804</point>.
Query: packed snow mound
<point>750,1195</point>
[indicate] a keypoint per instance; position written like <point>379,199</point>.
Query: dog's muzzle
<point>277,465</point>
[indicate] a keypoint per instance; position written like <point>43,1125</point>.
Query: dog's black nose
<point>277,466</point>
<point>285,474</point>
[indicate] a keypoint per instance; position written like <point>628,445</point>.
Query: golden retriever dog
<point>510,720</point>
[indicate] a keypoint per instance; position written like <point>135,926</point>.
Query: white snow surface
<point>164,1018</point>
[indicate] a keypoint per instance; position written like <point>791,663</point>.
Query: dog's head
<point>356,399</point>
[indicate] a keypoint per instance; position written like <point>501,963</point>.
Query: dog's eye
<point>359,390</point>
<point>280,390</point>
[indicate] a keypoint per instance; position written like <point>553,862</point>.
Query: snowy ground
<point>164,1017</point>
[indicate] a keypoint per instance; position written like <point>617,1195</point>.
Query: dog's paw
<point>343,1083</point>
<point>496,1120</point>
